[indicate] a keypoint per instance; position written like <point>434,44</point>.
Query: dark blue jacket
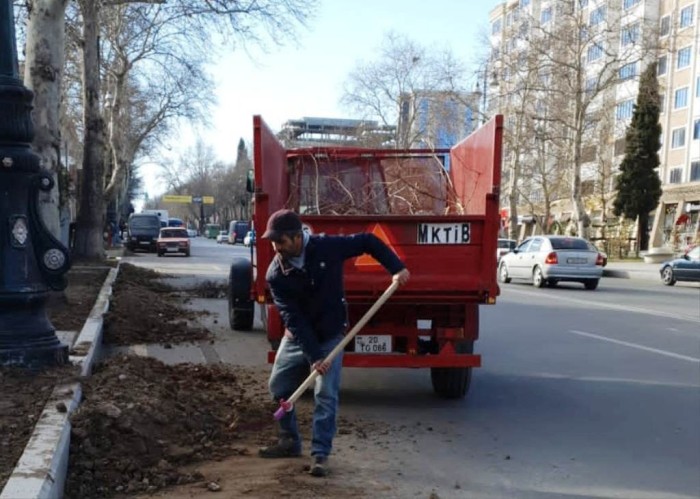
<point>312,301</point>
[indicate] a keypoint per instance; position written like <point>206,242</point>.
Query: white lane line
<point>624,308</point>
<point>640,347</point>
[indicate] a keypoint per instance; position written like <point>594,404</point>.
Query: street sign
<point>169,198</point>
<point>197,199</point>
<point>208,199</point>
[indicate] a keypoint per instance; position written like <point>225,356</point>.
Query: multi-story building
<point>609,44</point>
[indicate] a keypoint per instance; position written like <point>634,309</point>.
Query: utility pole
<point>32,260</point>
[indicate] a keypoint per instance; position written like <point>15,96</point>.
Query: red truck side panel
<point>271,188</point>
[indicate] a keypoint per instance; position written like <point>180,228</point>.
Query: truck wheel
<point>453,382</point>
<point>240,307</point>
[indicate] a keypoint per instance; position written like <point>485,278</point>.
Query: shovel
<point>288,405</point>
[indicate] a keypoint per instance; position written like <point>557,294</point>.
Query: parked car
<point>173,240</point>
<point>685,268</point>
<point>222,237</point>
<point>175,222</point>
<point>505,246</point>
<point>192,233</point>
<point>249,239</point>
<point>237,231</point>
<point>547,260</point>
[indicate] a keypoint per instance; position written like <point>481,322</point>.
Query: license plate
<point>145,242</point>
<point>576,260</point>
<point>455,233</point>
<point>172,249</point>
<point>380,343</point>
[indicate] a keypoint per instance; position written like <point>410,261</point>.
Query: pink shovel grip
<point>284,407</point>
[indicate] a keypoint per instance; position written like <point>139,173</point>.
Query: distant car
<point>173,240</point>
<point>222,237</point>
<point>505,246</point>
<point>237,231</point>
<point>192,233</point>
<point>685,268</point>
<point>547,260</point>
<point>249,239</point>
<point>175,222</point>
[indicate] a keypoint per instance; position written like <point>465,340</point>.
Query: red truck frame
<point>449,244</point>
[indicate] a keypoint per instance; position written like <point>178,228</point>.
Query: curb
<point>42,468</point>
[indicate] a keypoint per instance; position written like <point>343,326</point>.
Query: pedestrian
<point>306,282</point>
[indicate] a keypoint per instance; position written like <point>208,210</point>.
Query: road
<point>582,394</point>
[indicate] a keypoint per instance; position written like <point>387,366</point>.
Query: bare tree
<point>237,22</point>
<point>404,77</point>
<point>43,75</point>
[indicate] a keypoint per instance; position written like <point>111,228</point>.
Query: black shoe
<point>319,466</point>
<point>283,448</point>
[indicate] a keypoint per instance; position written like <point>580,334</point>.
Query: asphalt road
<point>582,394</point>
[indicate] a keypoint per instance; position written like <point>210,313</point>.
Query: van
<point>142,232</point>
<point>237,230</point>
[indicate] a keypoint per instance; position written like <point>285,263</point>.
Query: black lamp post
<point>31,259</point>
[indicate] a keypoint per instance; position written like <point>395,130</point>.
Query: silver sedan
<point>547,260</point>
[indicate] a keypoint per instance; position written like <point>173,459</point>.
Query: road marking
<point>635,345</point>
<point>624,308</point>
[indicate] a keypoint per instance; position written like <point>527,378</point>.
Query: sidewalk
<point>633,270</point>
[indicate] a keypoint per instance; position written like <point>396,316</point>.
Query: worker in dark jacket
<point>306,281</point>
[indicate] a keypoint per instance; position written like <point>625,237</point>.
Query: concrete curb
<point>41,470</point>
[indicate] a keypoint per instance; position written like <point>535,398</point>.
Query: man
<point>306,281</point>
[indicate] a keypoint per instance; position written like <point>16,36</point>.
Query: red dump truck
<point>437,209</point>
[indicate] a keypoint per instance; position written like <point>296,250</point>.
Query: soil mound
<point>138,293</point>
<point>141,420</point>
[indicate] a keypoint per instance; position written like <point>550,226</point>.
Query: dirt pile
<point>68,310</point>
<point>144,310</point>
<point>141,420</point>
<point>24,394</point>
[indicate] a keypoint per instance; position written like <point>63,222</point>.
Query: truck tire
<point>240,307</point>
<point>453,382</point>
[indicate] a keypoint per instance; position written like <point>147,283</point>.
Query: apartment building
<point>613,40</point>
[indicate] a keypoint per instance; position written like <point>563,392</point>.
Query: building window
<point>678,138</point>
<point>628,71</point>
<point>680,98</point>
<point>582,4</point>
<point>496,27</point>
<point>687,16</point>
<point>597,16</point>
<point>662,66</point>
<point>546,15</point>
<point>675,176</point>
<point>509,19</point>
<point>624,110</point>
<point>665,26</point>
<point>683,60</point>
<point>591,84</point>
<point>696,130</point>
<point>662,103</point>
<point>595,52</point>
<point>629,35</point>
<point>695,171</point>
<point>524,3</point>
<point>628,4</point>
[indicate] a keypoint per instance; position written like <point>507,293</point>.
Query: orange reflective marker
<point>366,260</point>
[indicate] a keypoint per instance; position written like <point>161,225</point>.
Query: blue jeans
<point>289,370</point>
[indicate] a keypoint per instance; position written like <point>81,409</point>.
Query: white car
<point>191,233</point>
<point>222,237</point>
<point>547,260</point>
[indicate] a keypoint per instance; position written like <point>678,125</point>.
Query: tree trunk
<point>582,221</point>
<point>43,74</point>
<point>642,236</point>
<point>513,197</point>
<point>88,238</point>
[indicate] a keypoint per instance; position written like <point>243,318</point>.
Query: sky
<point>305,77</point>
